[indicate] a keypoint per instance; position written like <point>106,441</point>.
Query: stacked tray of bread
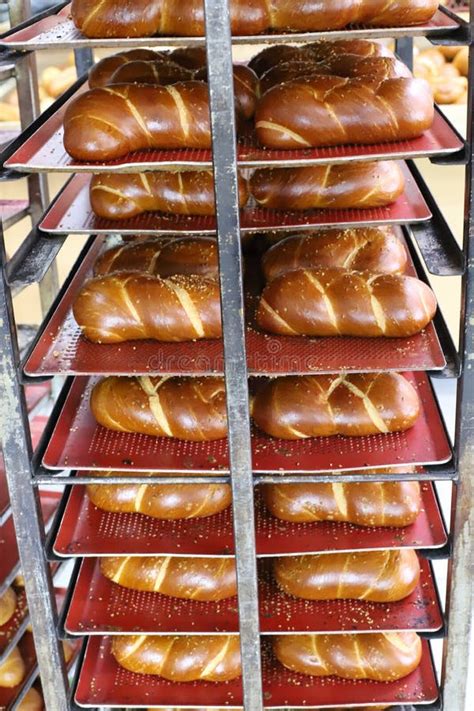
<point>341,329</point>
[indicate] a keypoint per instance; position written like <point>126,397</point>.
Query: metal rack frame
<point>24,470</point>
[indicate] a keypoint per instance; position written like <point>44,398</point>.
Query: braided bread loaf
<point>183,659</point>
<point>162,257</point>
<point>381,657</point>
<point>298,407</point>
<point>12,670</point>
<point>186,408</point>
<point>340,302</point>
<point>377,69</point>
<point>375,576</point>
<point>395,504</point>
<point>319,51</point>
<point>8,603</point>
<point>162,501</point>
<point>144,18</point>
<point>372,249</point>
<point>128,306</point>
<point>334,111</point>
<point>203,579</point>
<point>354,185</point>
<point>101,73</point>
<point>108,123</point>
<point>116,196</point>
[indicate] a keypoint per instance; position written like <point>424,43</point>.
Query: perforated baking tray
<point>99,606</point>
<point>44,151</point>
<point>102,682</point>
<point>71,212</point>
<point>62,350</point>
<point>12,630</point>
<point>78,442</point>
<point>26,646</point>
<point>86,531</point>
<point>9,561</point>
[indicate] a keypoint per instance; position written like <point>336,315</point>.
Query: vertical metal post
<point>19,11</point>
<point>458,653</point>
<point>84,59</point>
<point>404,50</point>
<point>16,446</point>
<point>219,55</point>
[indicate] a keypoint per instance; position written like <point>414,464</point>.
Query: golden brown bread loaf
<point>185,408</point>
<point>182,659</point>
<point>12,670</point>
<point>144,18</point>
<point>108,123</point>
<point>346,185</point>
<point>8,603</point>
<point>203,579</point>
<point>297,407</point>
<point>116,196</point>
<point>375,576</point>
<point>349,65</point>
<point>380,657</point>
<point>319,51</point>
<point>373,504</point>
<point>334,111</point>
<point>341,302</point>
<point>101,73</point>
<point>128,306</point>
<point>32,701</point>
<point>162,501</point>
<point>373,249</point>
<point>162,257</point>
<point>155,72</point>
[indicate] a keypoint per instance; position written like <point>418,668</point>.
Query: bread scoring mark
<point>165,564</point>
<point>272,126</point>
<point>318,657</point>
<point>166,653</point>
<point>198,509</point>
<point>113,191</point>
<point>327,173</point>
<point>396,640</point>
<point>353,253</point>
<point>118,574</point>
<point>266,306</point>
<point>210,668</point>
<point>394,121</point>
<point>92,14</point>
<point>181,108</point>
<point>327,301</point>
<point>188,305</point>
<point>340,498</point>
<point>140,495</point>
<point>116,255</point>
<point>92,117</point>
<point>335,118</point>
<point>360,661</point>
<point>369,406</point>
<point>122,285</point>
<point>377,309</point>
<point>342,582</point>
<point>133,648</point>
<point>387,558</point>
<point>144,180</point>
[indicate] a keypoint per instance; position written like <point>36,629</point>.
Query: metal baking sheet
<point>59,31</point>
<point>99,606</point>
<point>71,213</point>
<point>8,696</point>
<point>102,682</point>
<point>61,349</point>
<point>44,151</point>
<point>78,442</point>
<point>12,630</point>
<point>9,560</point>
<point>86,530</point>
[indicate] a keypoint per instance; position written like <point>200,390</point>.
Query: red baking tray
<point>102,682</point>
<point>99,606</point>
<point>12,630</point>
<point>72,213</point>
<point>27,649</point>
<point>59,31</point>
<point>78,442</point>
<point>9,562</point>
<point>62,350</point>
<point>44,151</point>
<point>86,530</point>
